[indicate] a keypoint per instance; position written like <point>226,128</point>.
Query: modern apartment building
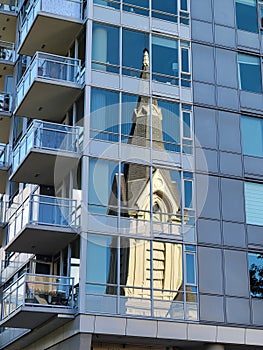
<point>131,152</point>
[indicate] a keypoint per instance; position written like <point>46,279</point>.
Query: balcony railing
<point>38,290</point>
<point>72,9</point>
<point>47,136</point>
<point>4,155</point>
<point>39,211</point>
<point>8,6</point>
<point>49,67</point>
<point>5,102</point>
<point>9,267</point>
<point>7,51</point>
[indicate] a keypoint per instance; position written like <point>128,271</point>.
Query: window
<point>246,15</point>
<point>144,277</point>
<point>249,73</point>
<point>254,203</point>
<point>133,46</point>
<point>171,122</point>
<point>165,59</point>
<point>174,11</point>
<point>252,136</point>
<point>255,265</point>
<point>133,192</point>
<point>105,48</point>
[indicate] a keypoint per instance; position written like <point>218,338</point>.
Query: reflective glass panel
<point>249,73</point>
<point>166,10</point>
<point>165,59</point>
<point>135,191</point>
<point>103,197</point>
<point>254,203</point>
<point>246,15</point>
<point>105,48</point>
<point>128,110</point>
<point>104,117</point>
<point>133,45</point>
<point>102,264</point>
<point>255,263</point>
<point>166,125</point>
<point>110,3</point>
<point>252,136</point>
<point>136,6</point>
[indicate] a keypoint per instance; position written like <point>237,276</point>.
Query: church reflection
<point>147,269</point>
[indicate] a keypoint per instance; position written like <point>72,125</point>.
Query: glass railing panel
<point>38,290</point>
<point>49,290</point>
<point>5,102</point>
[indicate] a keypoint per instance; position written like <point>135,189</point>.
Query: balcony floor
<point>41,239</point>
<point>7,26</point>
<point>33,316</point>
<point>50,34</point>
<point>48,99</point>
<point>45,167</point>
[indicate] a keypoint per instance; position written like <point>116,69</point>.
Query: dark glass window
<point>105,48</point>
<point>249,73</point>
<point>246,15</point>
<point>134,44</point>
<point>166,10</point>
<point>165,59</point>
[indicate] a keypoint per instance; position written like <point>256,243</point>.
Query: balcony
<point>5,116</point>
<point>8,18</point>
<point>4,165</point>
<point>34,299</point>
<point>50,26</point>
<point>43,151</point>
<point>48,87</point>
<point>42,225</point>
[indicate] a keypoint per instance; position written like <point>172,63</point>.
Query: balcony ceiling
<point>48,100</point>
<point>32,317</point>
<point>6,68</point>
<point>5,122</point>
<point>7,26</point>
<point>45,167</point>
<point>50,34</point>
<point>41,239</point>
